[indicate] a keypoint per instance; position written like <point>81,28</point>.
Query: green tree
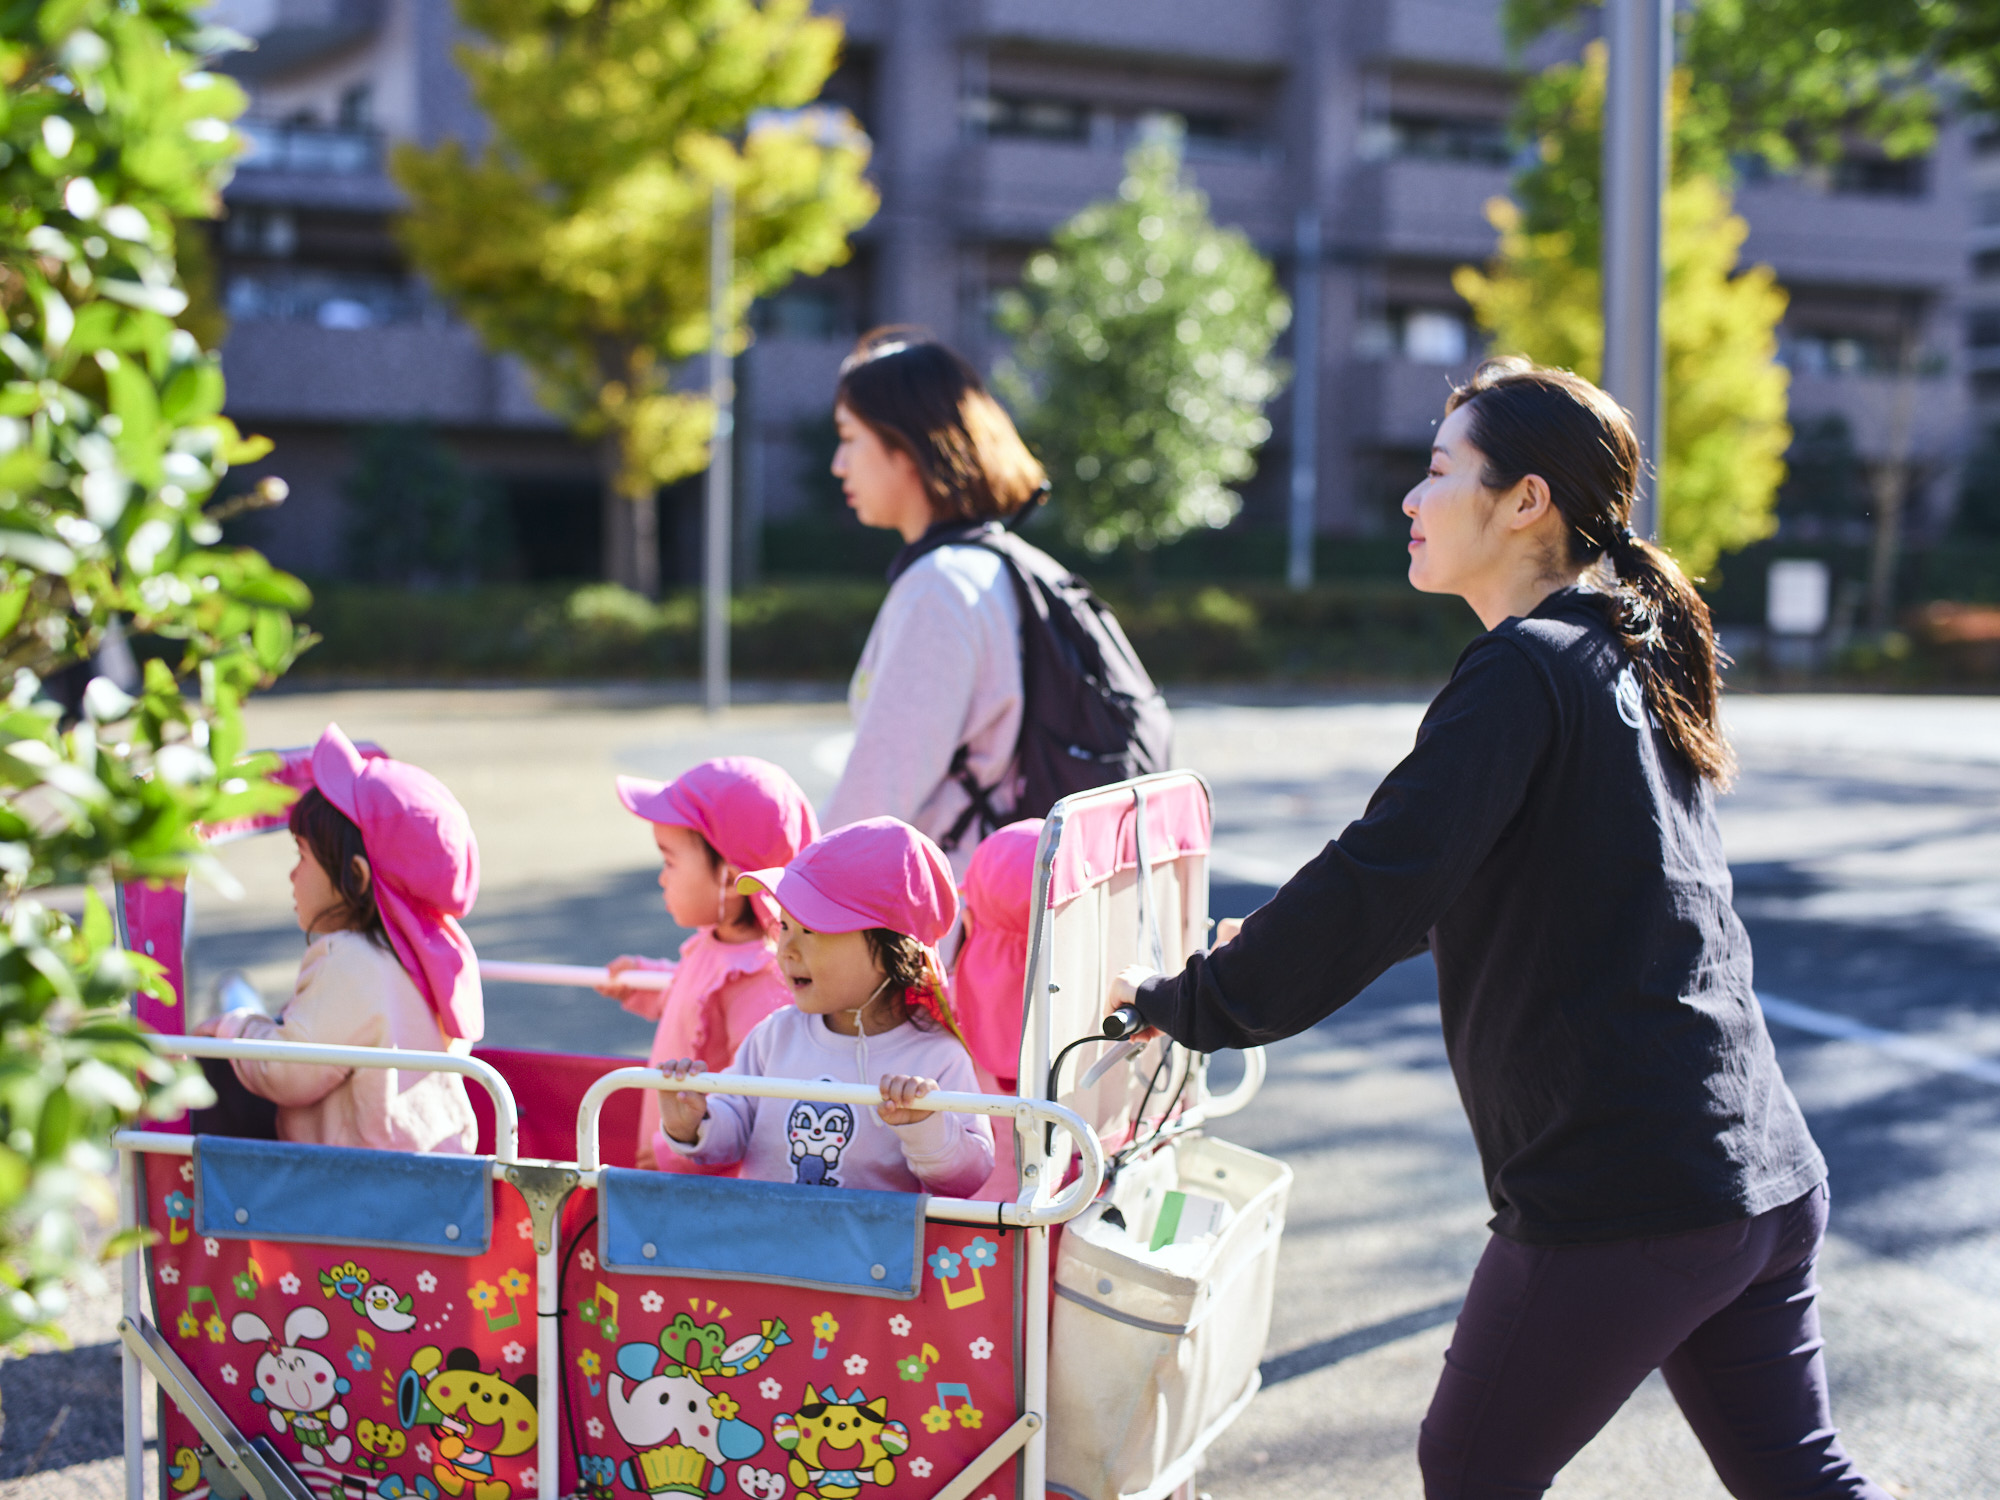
<point>1726,434</point>
<point>1142,360</point>
<point>415,514</point>
<point>111,438</point>
<point>577,237</point>
<point>1800,80</point>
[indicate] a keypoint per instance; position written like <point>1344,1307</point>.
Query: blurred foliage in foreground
<point>111,439</point>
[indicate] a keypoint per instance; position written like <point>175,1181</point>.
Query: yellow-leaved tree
<point>1726,432</point>
<point>577,237</point>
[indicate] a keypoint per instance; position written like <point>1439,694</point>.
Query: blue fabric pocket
<point>342,1195</point>
<point>726,1229</point>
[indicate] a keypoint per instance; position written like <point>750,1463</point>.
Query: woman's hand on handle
<point>1226,930</point>
<point>622,964</point>
<point>1125,991</point>
<point>682,1111</point>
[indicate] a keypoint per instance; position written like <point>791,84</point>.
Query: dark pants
<point>1551,1342</point>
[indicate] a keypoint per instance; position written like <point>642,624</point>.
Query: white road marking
<point>1933,1055</point>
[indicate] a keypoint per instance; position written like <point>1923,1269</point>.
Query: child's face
<point>313,895</point>
<point>829,972</point>
<point>695,887</point>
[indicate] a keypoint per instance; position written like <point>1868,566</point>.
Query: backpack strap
<point>980,807</point>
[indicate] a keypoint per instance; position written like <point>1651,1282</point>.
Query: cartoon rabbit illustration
<point>299,1386</point>
<point>818,1137</point>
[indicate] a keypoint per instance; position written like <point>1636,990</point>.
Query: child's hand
<point>682,1111</point>
<point>1226,930</point>
<point>623,964</point>
<point>206,1028</point>
<point>899,1092</point>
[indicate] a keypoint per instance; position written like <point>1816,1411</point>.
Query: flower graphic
<point>188,1325</point>
<point>528,1479</point>
<point>944,1264</point>
<point>982,1252</point>
<point>423,1453</point>
<point>857,1364</point>
<point>769,1389</point>
<point>824,1327</point>
<point>288,1284</point>
<point>970,1416</point>
<point>514,1284</point>
<point>920,1468</point>
<point>937,1419</point>
<point>228,1374</point>
<point>179,1206</point>
<point>587,1260</point>
<point>911,1368</point>
<point>594,1427</point>
<point>359,1358</point>
<point>723,1405</point>
<point>169,1275</point>
<point>216,1330</point>
<point>345,1281</point>
<point>426,1282</point>
<point>187,1171</point>
<point>485,1295</point>
<point>652,1301</point>
<point>513,1354</point>
<point>981,1348</point>
<point>900,1326</point>
<point>525,1227</point>
<point>211,1247</point>
<point>589,1363</point>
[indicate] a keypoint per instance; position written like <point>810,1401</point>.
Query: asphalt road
<point>1865,835</point>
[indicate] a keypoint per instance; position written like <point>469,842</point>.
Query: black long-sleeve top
<point>1565,865</point>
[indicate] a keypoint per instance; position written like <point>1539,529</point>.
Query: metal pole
<point>721,390</point>
<point>1305,400</point>
<point>1640,37</point>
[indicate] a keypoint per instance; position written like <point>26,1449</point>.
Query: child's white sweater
<point>833,1145</point>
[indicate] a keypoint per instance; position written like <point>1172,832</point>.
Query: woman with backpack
<point>955,707</point>
<point>1552,839</point>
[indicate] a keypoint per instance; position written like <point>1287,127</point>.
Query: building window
<point>1413,137</point>
<point>1421,335</point>
<point>801,313</point>
<point>1834,354</point>
<point>357,107</point>
<point>271,232</point>
<point>1881,176</point>
<point>343,300</point>
<point>1019,116</point>
<point>298,147</point>
<point>1986,264</point>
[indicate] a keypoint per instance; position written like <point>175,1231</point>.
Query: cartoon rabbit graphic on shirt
<point>818,1135</point>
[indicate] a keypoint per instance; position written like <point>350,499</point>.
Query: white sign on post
<point>1795,601</point>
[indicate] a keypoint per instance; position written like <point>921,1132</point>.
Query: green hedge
<point>813,631</point>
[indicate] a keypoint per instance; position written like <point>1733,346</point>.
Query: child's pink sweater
<point>719,994</point>
<point>833,1145</point>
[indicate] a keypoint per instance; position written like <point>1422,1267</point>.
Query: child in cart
<point>387,863</point>
<point>862,911</point>
<point>990,970</point>
<point>712,823</point>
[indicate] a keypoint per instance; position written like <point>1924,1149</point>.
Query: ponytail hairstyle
<point>1528,419</point>
<point>921,397</point>
<point>335,843</point>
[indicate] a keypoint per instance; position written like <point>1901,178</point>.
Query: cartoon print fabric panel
<point>711,1388</point>
<point>377,1374</point>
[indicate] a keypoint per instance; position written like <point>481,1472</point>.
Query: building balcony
<point>1938,411</point>
<point>1255,34</point>
<point>1459,34</point>
<point>1397,402</point>
<point>1023,189</point>
<point>1421,209</point>
<point>297,371</point>
<point>1809,236</point>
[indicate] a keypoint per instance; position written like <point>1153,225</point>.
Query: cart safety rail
<point>1025,1213</point>
<point>250,1461</point>
<point>577,976</point>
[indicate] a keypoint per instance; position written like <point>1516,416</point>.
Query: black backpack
<point>1090,714</point>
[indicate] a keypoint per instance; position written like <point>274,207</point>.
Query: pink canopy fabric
<point>751,812</point>
<point>1100,835</point>
<point>992,963</point>
<point>426,871</point>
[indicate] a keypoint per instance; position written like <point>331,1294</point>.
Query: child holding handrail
<point>710,824</point>
<point>387,864</point>
<point>862,910</point>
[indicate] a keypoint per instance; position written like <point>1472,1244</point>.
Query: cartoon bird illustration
<point>387,1310</point>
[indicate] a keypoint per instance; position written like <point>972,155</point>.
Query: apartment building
<point>993,120</point>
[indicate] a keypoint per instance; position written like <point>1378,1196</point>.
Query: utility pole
<point>1640,36</point>
<point>1304,516</point>
<point>716,518</point>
